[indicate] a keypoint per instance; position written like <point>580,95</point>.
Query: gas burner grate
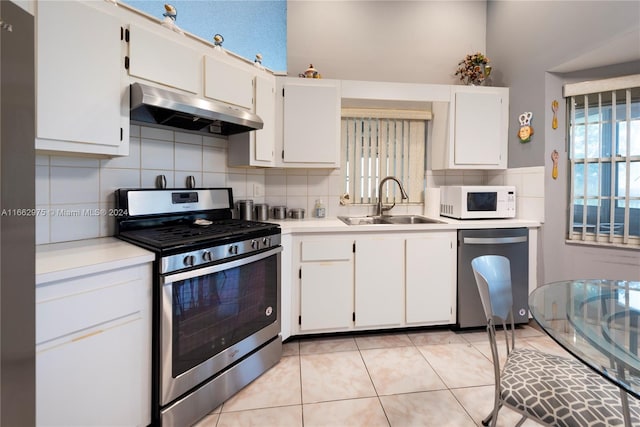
<point>165,236</point>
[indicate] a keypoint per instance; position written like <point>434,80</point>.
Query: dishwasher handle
<point>493,240</point>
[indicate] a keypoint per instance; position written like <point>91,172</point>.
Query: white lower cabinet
<point>87,379</point>
<point>93,349</point>
<point>373,281</point>
<point>379,281</point>
<point>326,296</point>
<point>326,284</point>
<point>431,278</point>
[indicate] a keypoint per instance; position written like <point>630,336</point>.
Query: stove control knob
<point>266,242</point>
<point>207,256</point>
<point>233,249</point>
<point>189,261</point>
<point>255,244</point>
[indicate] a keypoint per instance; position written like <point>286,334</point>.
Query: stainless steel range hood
<point>152,106</point>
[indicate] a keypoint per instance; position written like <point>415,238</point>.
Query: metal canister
<point>245,209</point>
<point>279,212</point>
<point>261,212</point>
<point>296,213</point>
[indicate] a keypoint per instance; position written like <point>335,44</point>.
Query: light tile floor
<point>419,378</point>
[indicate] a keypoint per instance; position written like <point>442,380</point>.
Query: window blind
<point>376,147</point>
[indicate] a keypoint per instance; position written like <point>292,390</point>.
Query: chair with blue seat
<point>550,389</point>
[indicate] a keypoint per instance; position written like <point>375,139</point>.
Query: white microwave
<point>477,201</point>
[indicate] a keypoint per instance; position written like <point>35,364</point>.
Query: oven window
<point>482,201</point>
<point>216,311</point>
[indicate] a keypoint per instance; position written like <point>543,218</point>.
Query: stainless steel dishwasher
<point>512,243</point>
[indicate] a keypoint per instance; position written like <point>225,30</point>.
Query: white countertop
<point>329,225</point>
<point>60,261</point>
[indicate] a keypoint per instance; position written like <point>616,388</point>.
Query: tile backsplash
<point>529,183</point>
<point>77,193</point>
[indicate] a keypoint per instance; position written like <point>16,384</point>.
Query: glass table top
<point>596,321</point>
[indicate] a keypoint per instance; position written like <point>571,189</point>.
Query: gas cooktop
<point>211,231</point>
<point>168,220</point>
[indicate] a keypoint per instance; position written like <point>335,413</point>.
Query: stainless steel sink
<point>362,220</point>
<point>410,219</point>
<point>388,219</point>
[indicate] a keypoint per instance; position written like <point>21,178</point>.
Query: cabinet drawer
<point>326,250</point>
<point>93,301</point>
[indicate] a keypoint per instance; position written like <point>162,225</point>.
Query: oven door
<point>213,316</point>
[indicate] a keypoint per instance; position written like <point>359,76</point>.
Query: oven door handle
<point>218,267</point>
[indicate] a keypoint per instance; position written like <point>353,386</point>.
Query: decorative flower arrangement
<point>473,69</point>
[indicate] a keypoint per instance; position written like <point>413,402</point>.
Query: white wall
<point>527,39</point>
<point>562,41</point>
<point>399,41</point>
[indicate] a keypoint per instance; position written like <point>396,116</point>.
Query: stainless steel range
<point>216,296</point>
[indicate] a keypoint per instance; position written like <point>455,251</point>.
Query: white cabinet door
<point>93,349</point>
<point>228,83</point>
<point>379,281</point>
<point>82,104</point>
<point>326,284</point>
<point>326,295</point>
<point>431,278</point>
<point>257,148</point>
<point>471,131</point>
<point>311,123</point>
<point>158,56</point>
<point>266,109</point>
<point>93,379</point>
<point>478,129</point>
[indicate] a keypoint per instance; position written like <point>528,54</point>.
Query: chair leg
<point>522,420</point>
<point>492,418</point>
<point>487,420</point>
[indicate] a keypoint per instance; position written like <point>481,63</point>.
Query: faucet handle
<point>384,208</point>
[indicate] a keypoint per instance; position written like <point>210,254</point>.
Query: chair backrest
<point>493,278</point>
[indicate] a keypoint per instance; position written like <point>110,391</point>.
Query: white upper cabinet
<point>266,110</point>
<point>228,83</point>
<point>162,56</point>
<point>257,148</point>
<point>310,123</point>
<point>471,132</point>
<point>82,103</point>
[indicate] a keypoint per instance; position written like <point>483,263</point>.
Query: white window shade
<point>383,143</point>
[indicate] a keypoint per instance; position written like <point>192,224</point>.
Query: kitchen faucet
<point>380,208</point>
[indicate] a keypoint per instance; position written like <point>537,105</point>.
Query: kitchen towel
<point>432,202</point>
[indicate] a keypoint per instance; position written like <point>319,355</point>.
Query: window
<point>377,144</point>
<point>604,155</point>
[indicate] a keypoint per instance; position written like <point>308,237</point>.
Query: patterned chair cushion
<point>561,392</point>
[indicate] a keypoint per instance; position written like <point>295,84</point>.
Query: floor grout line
<point>457,393</point>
